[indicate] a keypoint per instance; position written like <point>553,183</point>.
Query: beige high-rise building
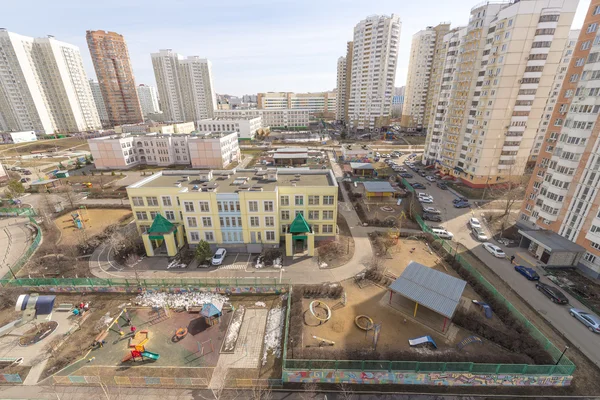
<point>349,50</point>
<point>423,75</point>
<point>341,89</point>
<point>115,77</point>
<point>99,101</point>
<point>318,103</point>
<point>374,59</point>
<point>43,86</point>
<point>508,60</point>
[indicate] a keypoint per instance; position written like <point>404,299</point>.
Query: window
<point>153,215</point>
<point>585,45</point>
<point>285,214</point>
<point>592,28</point>
<point>285,200</point>
<point>580,62</point>
<point>301,212</point>
<point>166,201</point>
<point>194,237</point>
<point>254,221</point>
<point>189,206</point>
<point>204,206</point>
<point>206,222</point>
<point>137,201</point>
<point>192,222</point>
<point>270,235</point>
<point>595,229</point>
<point>327,228</point>
<point>315,228</point>
<point>170,215</point>
<point>285,228</point>
<point>268,206</point>
<point>327,200</point>
<point>209,236</point>
<point>313,214</point>
<point>590,257</point>
<point>141,215</point>
<point>269,221</point>
<point>253,206</point>
<point>313,200</point>
<point>573,78</point>
<point>299,200</point>
<point>328,214</point>
<point>152,201</point>
<point>595,245</point>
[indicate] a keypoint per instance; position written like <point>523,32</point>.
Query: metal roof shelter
<point>356,165</point>
<point>433,289</point>
<point>552,241</point>
<point>285,156</point>
<point>379,187</point>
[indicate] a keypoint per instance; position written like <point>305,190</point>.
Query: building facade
<point>43,86</point>
<point>99,102</point>
<point>200,151</point>
<point>320,103</point>
<point>183,127</point>
<point>374,58</point>
<point>148,99</point>
<point>341,89</point>
<point>247,128</point>
<point>280,119</point>
<point>240,210</point>
<point>421,73</point>
<point>110,57</point>
<point>562,196</point>
<point>185,86</point>
<point>18,137</point>
<point>507,62</point>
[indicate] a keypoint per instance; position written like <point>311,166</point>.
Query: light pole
<point>562,354</point>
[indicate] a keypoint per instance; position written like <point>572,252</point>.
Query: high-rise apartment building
<point>374,58</point>
<point>322,103</point>
<point>341,89</point>
<point>115,77</point>
<point>185,86</point>
<point>349,50</point>
<point>562,197</point>
<point>507,62</point>
<point>148,99</point>
<point>422,70</point>
<point>99,101</point>
<point>43,86</point>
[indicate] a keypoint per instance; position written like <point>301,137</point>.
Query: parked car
<point>442,233</point>
<point>479,234</point>
<point>23,180</point>
<point>590,320</point>
<point>432,217</point>
<point>462,204</point>
<point>495,250</point>
<point>219,256</point>
<point>423,194</point>
<point>552,293</point>
<point>459,199</point>
<point>27,172</point>
<point>417,185</point>
<point>431,210</point>
<point>527,272</point>
<point>426,200</point>
<point>406,175</point>
<point>430,178</point>
<point>423,174</point>
<point>442,186</point>
<point>474,223</point>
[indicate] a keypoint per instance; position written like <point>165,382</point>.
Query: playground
<point>89,222</point>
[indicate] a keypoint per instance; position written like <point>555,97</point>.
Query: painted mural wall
<point>131,289</point>
<point>430,378</point>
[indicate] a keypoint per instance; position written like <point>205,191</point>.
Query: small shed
<point>44,185</point>
<point>438,292</point>
<point>362,169</point>
<point>378,189</point>
<point>212,311</point>
<point>551,248</point>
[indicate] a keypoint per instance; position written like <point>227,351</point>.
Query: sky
<point>254,45</point>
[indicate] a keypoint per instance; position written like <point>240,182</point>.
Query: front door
<point>545,257</point>
<point>299,246</point>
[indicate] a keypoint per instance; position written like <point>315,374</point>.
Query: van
<point>442,233</point>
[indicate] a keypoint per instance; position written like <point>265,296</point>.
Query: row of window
<point>234,206</point>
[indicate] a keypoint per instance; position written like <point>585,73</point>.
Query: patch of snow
<point>178,300</point>
<point>260,304</point>
<point>234,329</point>
<point>176,264</point>
<point>323,265</point>
<point>274,333</point>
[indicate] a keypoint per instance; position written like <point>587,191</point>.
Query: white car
<point>219,256</point>
<point>424,195</point>
<point>474,223</point>
<point>495,250</point>
<point>426,200</point>
<point>431,210</point>
<point>430,178</point>
<point>479,234</point>
<point>442,233</point>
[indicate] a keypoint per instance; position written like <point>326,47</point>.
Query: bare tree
<point>132,261</point>
<point>310,391</point>
<point>345,393</point>
<point>512,188</point>
<point>262,392</point>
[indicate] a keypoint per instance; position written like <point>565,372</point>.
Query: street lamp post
<point>562,354</point>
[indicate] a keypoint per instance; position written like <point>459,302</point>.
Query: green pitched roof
<point>161,226</point>
<point>299,225</point>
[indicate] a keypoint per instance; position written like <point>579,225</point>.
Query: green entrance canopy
<point>160,227</point>
<point>299,225</point>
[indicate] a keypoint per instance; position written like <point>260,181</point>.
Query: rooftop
<point>379,187</point>
<point>284,156</point>
<point>292,150</point>
<point>360,165</point>
<point>232,181</point>
<point>552,241</point>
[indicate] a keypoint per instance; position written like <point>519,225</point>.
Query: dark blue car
<point>527,272</point>
<point>462,204</point>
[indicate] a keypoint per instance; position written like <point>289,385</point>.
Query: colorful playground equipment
<point>31,307</point>
<point>140,338</point>
<point>422,340</point>
<point>141,353</point>
<point>78,218</point>
<point>486,308</point>
<point>469,340</point>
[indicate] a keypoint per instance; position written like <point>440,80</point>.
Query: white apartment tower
<point>148,99</point>
<point>341,89</point>
<point>507,62</point>
<point>185,86</point>
<point>374,58</point>
<point>99,101</point>
<point>43,86</point>
<point>420,71</point>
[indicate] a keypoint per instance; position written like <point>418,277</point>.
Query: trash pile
<point>274,333</point>
<point>178,300</point>
<point>260,304</point>
<point>176,264</point>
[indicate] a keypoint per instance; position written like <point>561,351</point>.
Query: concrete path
<point>15,238</point>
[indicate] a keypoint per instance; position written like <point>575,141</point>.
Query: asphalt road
<point>455,220</point>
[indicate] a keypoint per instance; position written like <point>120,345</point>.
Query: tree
<point>61,166</point>
<point>132,261</point>
<point>202,252</point>
<point>77,163</point>
<point>87,160</point>
<point>14,189</point>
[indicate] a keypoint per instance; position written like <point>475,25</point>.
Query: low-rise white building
<point>18,137</point>
<point>180,128</point>
<point>247,128</point>
<point>200,151</point>
<point>282,119</point>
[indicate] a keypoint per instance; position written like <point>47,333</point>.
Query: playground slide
<point>421,340</point>
<point>8,327</point>
<point>152,356</point>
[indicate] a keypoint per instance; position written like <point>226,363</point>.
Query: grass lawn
<point>50,144</point>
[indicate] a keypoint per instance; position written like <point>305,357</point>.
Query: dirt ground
<point>581,285</point>
<point>61,144</point>
<point>346,246</point>
<point>95,221</point>
<point>96,180</point>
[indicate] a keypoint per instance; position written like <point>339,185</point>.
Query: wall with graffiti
<point>429,378</point>
<point>131,289</point>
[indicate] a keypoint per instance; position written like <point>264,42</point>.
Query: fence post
<point>336,365</point>
<point>471,367</point>
<point>498,368</point>
<point>362,365</point>
<point>309,365</point>
<point>389,366</point>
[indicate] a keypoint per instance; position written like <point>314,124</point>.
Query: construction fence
<point>437,373</point>
<point>30,250</point>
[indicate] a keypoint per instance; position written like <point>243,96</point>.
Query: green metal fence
<point>25,257</point>
<point>17,212</point>
<point>564,366</point>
